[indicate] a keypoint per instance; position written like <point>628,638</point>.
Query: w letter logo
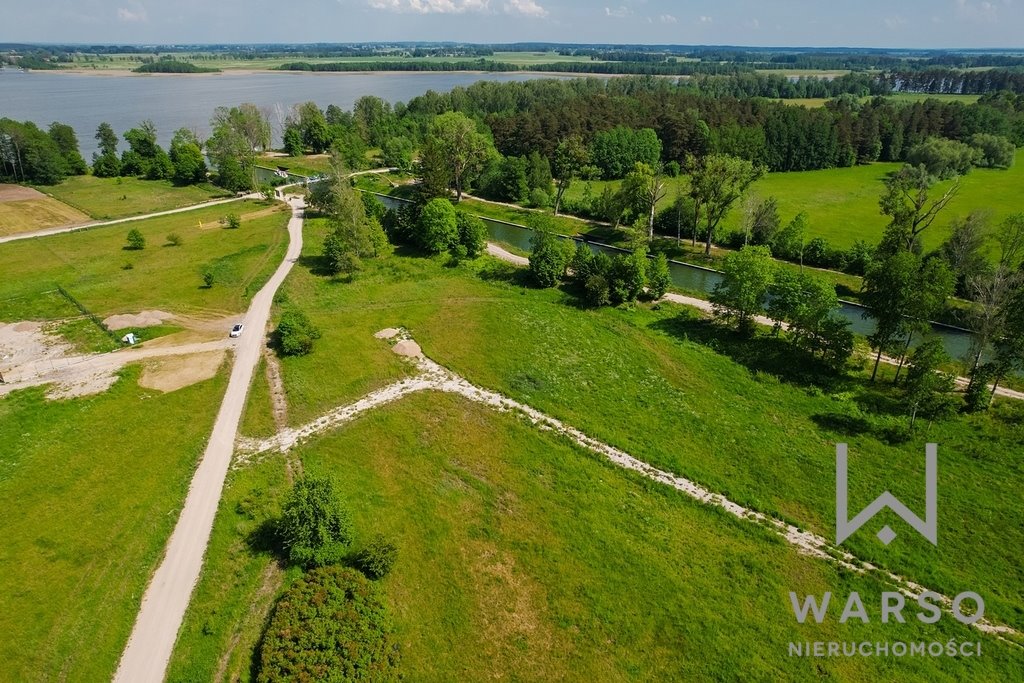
<point>927,527</point>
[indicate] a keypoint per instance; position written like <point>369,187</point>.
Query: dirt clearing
<point>142,319</point>
<point>23,209</point>
<point>175,372</point>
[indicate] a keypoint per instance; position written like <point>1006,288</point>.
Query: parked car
<point>236,331</point>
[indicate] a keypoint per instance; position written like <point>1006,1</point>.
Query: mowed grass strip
<point>523,557</point>
<point>663,385</point>
<point>96,268</point>
<point>93,486</point>
<point>109,198</point>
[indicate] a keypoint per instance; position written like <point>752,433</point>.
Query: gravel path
<point>163,607</point>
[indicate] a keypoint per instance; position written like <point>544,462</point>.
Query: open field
<point>96,484</point>
<point>842,203</point>
<point>519,557</point>
<point>23,209</point>
<point>109,198</point>
<point>469,493</point>
<point>92,265</point>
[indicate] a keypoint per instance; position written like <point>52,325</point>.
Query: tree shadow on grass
<point>760,354</point>
<point>510,274</point>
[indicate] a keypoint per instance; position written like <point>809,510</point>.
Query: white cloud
<point>978,11</point>
<point>893,23</point>
<point>431,6</point>
<point>754,23</point>
<point>704,19</point>
<point>527,8</point>
<point>135,14</point>
<point>667,19</point>
<point>619,13</point>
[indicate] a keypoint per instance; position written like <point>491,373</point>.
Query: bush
<point>331,625</point>
<point>472,235</point>
<point>208,278</point>
<point>315,528</point>
<point>628,277</point>
<point>596,290</point>
<point>136,240</point>
<point>232,221</point>
<point>268,192</point>
<point>174,239</point>
<point>857,258</point>
<point>672,169</point>
<point>295,334</point>
<point>438,226</point>
<point>539,199</point>
<point>378,557</point>
<point>659,278</point>
<point>548,258</point>
<point>944,158</point>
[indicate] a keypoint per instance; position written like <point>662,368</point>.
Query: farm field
<point>93,265</point>
<point>469,492</point>
<point>97,483</point>
<point>23,209</point>
<point>110,198</point>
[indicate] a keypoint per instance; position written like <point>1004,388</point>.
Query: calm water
<point>85,100</point>
<point>698,279</point>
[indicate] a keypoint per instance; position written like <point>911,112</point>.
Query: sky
<point>820,23</point>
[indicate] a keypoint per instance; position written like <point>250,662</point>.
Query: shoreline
<point>251,72</point>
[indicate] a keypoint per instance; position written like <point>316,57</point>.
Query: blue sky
<point>870,23</point>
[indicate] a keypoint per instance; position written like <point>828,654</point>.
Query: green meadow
<point>94,486</point>
<point>110,198</point>
<point>94,266</point>
<point>525,555</point>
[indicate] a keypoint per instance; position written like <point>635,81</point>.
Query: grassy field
<point>109,198</point>
<point>94,486</point>
<point>93,265</point>
<point>27,215</point>
<point>739,417</point>
<point>842,203</point>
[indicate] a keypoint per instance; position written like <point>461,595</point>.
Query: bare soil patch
<point>14,193</point>
<point>175,372</point>
<point>141,319</point>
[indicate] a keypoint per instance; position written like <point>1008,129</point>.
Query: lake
<point>187,101</point>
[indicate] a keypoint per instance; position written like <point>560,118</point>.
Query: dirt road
<point>163,607</point>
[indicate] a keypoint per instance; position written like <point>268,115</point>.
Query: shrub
<point>438,226</point>
<point>136,240</point>
<point>628,277</point>
<point>268,192</point>
<point>315,528</point>
<point>539,199</point>
<point>659,278</point>
<point>672,169</point>
<point>548,258</point>
<point>295,334</point>
<point>597,291</point>
<point>331,625</point>
<point>174,239</point>
<point>208,278</point>
<point>378,557</point>
<point>232,221</point>
<point>472,235</point>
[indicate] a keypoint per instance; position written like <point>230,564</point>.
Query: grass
<point>94,485</point>
<point>35,214</point>
<point>842,203</point>
<point>899,98</point>
<point>110,198</point>
<point>650,381</point>
<point>92,265</point>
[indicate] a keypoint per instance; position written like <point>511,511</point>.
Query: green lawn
<point>109,198</point>
<point>92,265</point>
<point>93,487</point>
<point>739,417</point>
<point>525,558</point>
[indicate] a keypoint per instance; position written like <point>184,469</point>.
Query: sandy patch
<point>15,193</point>
<point>408,348</point>
<point>388,333</point>
<point>143,319</point>
<point>168,374</point>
